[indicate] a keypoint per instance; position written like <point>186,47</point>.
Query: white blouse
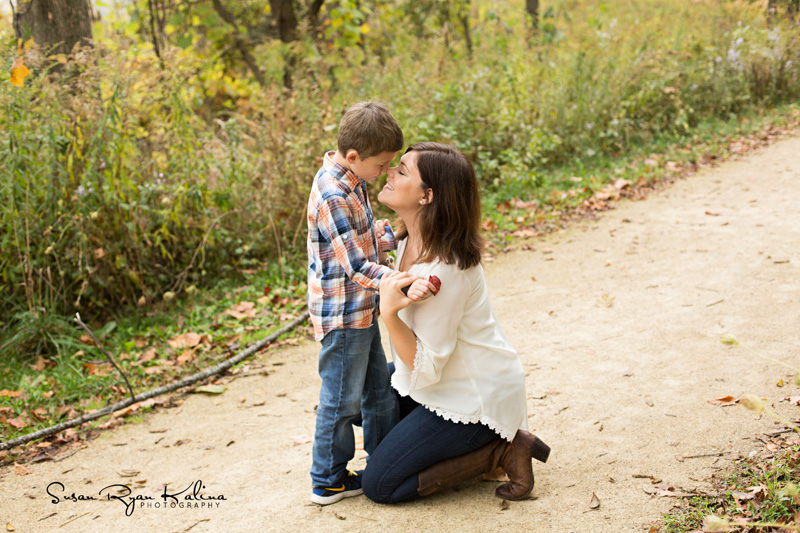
<point>465,368</point>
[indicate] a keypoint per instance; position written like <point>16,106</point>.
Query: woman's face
<point>403,190</point>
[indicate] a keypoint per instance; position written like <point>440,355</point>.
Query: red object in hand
<point>433,280</point>
<point>437,283</point>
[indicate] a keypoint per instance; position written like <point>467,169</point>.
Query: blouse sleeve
<point>435,322</point>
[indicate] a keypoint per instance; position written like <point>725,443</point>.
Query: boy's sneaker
<point>350,486</point>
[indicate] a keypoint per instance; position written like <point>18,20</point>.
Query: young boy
<point>343,279</point>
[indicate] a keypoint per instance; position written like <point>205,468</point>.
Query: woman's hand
<point>391,291</point>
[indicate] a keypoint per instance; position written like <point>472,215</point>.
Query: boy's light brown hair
<point>369,129</point>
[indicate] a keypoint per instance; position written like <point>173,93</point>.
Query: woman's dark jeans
<point>419,440</point>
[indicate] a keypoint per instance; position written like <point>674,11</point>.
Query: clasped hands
<point>391,291</point>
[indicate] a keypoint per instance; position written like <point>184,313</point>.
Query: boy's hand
<point>380,227</point>
<point>420,290</point>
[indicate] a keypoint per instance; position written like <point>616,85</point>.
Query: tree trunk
<point>283,11</point>
<point>532,7</point>
<point>55,25</point>
<point>772,9</point>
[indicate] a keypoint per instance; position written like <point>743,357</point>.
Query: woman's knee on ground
<point>375,488</point>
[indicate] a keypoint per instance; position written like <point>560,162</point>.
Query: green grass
<point>776,504</point>
<point>66,381</point>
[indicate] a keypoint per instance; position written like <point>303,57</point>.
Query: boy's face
<point>370,168</point>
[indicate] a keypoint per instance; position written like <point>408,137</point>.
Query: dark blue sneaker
<point>350,486</point>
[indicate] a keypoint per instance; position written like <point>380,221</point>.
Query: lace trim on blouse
<point>473,419</point>
<point>417,364</point>
<point>455,417</point>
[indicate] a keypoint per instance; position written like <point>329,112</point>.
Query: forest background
<point>155,173</point>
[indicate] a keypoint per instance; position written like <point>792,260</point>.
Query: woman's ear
<point>428,195</point>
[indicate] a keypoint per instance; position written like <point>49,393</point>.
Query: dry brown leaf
<point>21,470</point>
<point>99,253</point>
<point>504,505</point>
<point>724,401</point>
<point>9,527</point>
<point>595,503</point>
<point>86,339</point>
<point>186,340</point>
<point>41,362</point>
<point>752,493</point>
<point>10,393</point>
<point>149,355</point>
<point>496,475</point>
<point>18,422</point>
<point>186,356</point>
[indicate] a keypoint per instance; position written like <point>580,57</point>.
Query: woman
<point>466,414</point>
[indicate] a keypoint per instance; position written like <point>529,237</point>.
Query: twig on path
<point>198,522</point>
<point>73,519</point>
<point>105,352</point>
<point>221,367</point>
<point>717,454</point>
<point>781,432</point>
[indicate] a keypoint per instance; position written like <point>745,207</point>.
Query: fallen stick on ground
<point>194,378</point>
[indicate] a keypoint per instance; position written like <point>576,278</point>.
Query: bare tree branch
<point>105,352</point>
<point>240,44</point>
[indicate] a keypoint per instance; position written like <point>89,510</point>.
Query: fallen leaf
<point>496,475</point>
<point>340,517</point>
<point>751,493</point>
<point>186,356</point>
<point>99,253</point>
<point>186,340</point>
<point>302,439</point>
<point>16,422</point>
<point>10,393</point>
<point>86,339</point>
<point>724,401</point>
<point>40,364</point>
<point>504,505</point>
<point>21,470</point>
<point>9,527</point>
<point>211,389</point>
<point>149,355</point>
<point>595,503</point>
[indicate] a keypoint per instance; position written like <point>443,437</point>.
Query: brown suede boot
<point>451,472</point>
<point>517,465</point>
<point>499,453</point>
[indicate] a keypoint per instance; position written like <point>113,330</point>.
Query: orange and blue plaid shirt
<point>343,269</point>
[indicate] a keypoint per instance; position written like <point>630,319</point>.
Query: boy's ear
<point>351,156</point>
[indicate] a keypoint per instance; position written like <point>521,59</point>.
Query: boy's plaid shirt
<point>343,269</point>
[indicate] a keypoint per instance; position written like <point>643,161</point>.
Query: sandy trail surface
<point>618,324</point>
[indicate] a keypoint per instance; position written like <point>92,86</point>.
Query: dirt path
<point>620,332</point>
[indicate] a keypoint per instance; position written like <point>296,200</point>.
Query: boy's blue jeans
<point>355,380</point>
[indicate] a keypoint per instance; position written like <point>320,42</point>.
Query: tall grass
<point>127,184</point>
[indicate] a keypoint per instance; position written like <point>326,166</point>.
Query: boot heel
<point>539,450</point>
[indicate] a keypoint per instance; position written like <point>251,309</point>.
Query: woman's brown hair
<point>450,224</point>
